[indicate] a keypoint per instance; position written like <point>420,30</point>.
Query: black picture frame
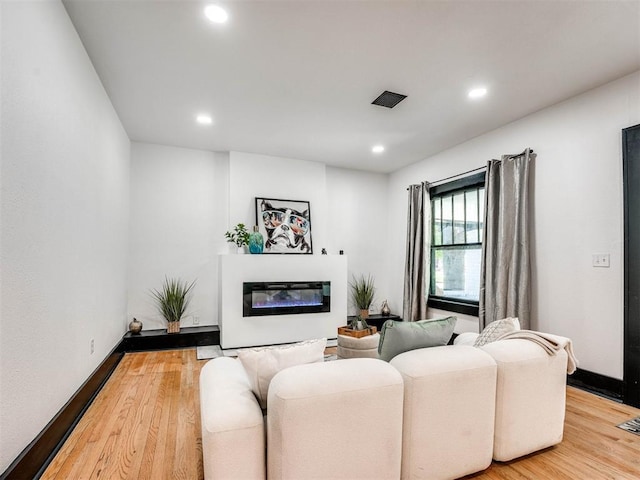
<point>285,225</point>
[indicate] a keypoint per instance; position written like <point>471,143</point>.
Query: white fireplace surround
<point>238,331</point>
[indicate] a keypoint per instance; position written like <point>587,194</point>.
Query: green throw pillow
<point>398,337</point>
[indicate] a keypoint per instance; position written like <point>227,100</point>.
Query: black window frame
<point>467,307</point>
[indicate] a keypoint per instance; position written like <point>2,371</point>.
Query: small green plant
<point>358,323</point>
<point>239,235</point>
<point>173,298</point>
<point>363,291</point>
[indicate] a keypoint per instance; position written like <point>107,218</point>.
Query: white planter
<point>242,250</point>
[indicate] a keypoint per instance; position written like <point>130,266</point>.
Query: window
<point>457,215</point>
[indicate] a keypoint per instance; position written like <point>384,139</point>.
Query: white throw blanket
<point>550,343</point>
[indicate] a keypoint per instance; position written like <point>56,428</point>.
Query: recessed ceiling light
<point>204,119</point>
<point>477,92</point>
<point>216,14</point>
<point>378,149</point>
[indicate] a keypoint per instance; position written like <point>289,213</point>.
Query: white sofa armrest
<point>233,437</point>
<point>530,397</point>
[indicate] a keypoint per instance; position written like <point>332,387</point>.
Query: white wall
<point>357,224</point>
<point>64,207</point>
<point>348,207</point>
<point>577,212</point>
<point>210,193</point>
<point>179,213</point>
<point>252,175</point>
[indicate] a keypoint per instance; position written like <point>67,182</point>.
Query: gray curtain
<point>505,286</point>
<point>417,264</point>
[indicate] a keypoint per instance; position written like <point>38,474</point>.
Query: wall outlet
<point>196,320</point>
<point>601,260</point>
<point>93,346</point>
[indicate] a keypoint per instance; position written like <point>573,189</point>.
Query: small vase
<point>364,314</point>
<point>256,241</point>
<point>385,311</point>
<point>241,250</point>
<point>135,327</point>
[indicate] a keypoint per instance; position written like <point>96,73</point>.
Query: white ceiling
<point>296,78</point>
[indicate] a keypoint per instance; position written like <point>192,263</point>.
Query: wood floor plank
<point>141,436</point>
<point>145,424</point>
<point>158,407</point>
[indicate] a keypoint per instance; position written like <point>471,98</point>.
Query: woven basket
<point>173,327</point>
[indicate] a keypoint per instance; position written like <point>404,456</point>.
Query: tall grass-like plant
<point>173,298</point>
<point>363,291</point>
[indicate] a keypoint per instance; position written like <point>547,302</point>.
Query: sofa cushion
<point>337,420</point>
<point>398,337</point>
<point>466,338</point>
<point>262,363</point>
<point>496,329</point>
<point>449,410</point>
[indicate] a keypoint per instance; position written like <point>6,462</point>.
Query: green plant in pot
<point>363,292</point>
<point>172,301</point>
<point>239,236</point>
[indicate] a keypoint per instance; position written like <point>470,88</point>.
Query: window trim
<point>449,304</point>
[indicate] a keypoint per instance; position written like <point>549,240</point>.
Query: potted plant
<point>172,301</point>
<point>239,235</point>
<point>363,291</point>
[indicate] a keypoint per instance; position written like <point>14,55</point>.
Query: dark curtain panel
<point>505,285</point>
<point>416,273</point>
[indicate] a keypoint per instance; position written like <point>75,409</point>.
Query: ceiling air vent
<point>388,99</point>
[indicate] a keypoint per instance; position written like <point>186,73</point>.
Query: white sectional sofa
<point>339,419</point>
<point>433,413</point>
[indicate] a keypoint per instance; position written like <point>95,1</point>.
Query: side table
<point>377,320</point>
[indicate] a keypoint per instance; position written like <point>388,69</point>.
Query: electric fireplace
<point>285,298</point>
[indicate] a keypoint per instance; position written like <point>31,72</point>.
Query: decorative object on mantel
<point>385,310</point>
<point>324,251</point>
<point>362,293</point>
<point>285,224</point>
<point>256,241</point>
<point>238,236</point>
<point>172,301</point>
<point>135,327</point>
<point>356,333</point>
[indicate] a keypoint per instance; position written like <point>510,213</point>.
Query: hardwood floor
<point>145,424</point>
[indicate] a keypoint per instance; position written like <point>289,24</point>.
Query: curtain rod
<point>455,176</point>
<point>459,175</point>
<point>471,171</point>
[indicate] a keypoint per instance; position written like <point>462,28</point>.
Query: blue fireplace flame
<point>282,298</point>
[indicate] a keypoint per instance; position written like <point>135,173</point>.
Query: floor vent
<point>388,99</point>
<point>632,426</point>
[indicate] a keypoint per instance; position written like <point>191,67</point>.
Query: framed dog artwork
<point>285,225</point>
